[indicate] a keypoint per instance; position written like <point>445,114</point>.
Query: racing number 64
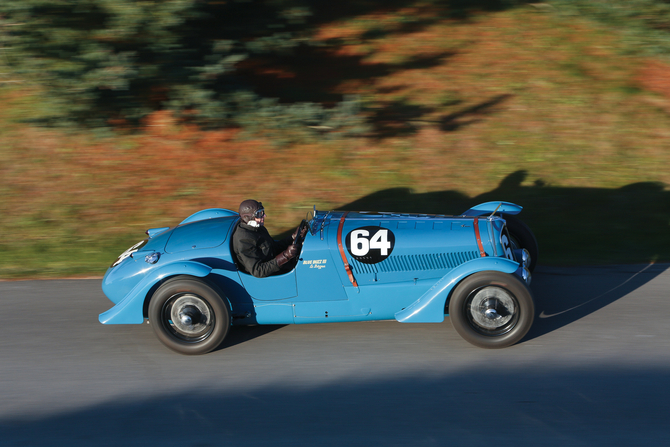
<point>361,245</point>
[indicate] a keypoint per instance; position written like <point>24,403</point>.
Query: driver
<point>258,254</point>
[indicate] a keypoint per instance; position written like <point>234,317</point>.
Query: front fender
<point>130,310</point>
<point>429,308</point>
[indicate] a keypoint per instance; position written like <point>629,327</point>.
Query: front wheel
<point>189,316</point>
<point>492,309</point>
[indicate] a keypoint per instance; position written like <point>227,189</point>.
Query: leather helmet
<point>250,209</point>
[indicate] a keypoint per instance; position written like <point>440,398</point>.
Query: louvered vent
<point>408,263</point>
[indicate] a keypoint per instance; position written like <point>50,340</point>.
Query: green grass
<point>546,109</point>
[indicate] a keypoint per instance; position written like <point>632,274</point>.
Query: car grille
<point>508,246</point>
<point>409,263</point>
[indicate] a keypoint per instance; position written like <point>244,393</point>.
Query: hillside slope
<point>523,104</point>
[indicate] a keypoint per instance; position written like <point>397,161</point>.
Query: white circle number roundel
<point>370,245</point>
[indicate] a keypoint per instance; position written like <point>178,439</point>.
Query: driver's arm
<point>255,260</point>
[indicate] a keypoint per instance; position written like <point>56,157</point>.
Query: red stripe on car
<point>347,267</point>
<point>482,253</point>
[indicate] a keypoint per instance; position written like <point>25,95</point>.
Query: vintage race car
<point>352,266</point>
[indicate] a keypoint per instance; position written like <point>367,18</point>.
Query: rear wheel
<point>492,309</point>
<point>189,316</point>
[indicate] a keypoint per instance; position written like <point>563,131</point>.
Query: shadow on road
<point>242,334</point>
<point>549,407</point>
<point>563,296</point>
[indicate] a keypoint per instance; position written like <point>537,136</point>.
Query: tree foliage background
<point>221,100</point>
<point>103,62</point>
<point>115,61</point>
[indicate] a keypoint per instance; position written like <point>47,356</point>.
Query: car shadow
<point>241,334</point>
<point>565,295</point>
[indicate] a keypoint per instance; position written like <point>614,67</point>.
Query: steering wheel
<point>298,239</point>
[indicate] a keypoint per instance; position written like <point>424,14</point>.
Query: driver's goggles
<point>259,213</point>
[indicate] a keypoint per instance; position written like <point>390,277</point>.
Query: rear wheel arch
<point>154,288</point>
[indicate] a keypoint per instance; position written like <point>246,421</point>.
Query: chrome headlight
<point>523,257</point>
<point>152,258</point>
<point>524,273</point>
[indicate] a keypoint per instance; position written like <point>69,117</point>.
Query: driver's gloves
<point>302,233</point>
<point>286,255</point>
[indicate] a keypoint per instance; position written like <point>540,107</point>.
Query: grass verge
<point>549,111</point>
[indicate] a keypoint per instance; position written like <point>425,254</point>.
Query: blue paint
<point>405,266</point>
<point>489,207</point>
<point>430,307</point>
<point>130,309</point>
<point>209,214</point>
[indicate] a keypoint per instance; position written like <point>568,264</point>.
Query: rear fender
<point>429,308</point>
<point>130,310</point>
<point>490,207</point>
<point>210,213</point>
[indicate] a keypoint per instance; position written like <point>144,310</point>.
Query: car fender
<point>130,310</point>
<point>490,207</point>
<point>210,213</point>
<point>429,308</point>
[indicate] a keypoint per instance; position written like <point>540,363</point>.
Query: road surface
<point>594,370</point>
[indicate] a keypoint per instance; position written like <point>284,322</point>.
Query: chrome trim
<point>152,258</point>
<point>525,275</point>
<point>522,256</point>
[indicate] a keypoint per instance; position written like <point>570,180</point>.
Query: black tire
<point>189,316</point>
<point>522,237</point>
<point>492,309</point>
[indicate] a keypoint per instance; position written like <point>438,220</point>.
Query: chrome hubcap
<point>491,314</point>
<point>191,316</point>
<point>492,310</point>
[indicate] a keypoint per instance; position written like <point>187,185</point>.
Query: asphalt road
<point>594,370</point>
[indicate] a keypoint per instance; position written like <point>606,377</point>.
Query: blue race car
<point>352,266</point>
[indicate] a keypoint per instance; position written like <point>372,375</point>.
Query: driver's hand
<point>286,255</point>
<point>291,252</point>
<point>302,233</point>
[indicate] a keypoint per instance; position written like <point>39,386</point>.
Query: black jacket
<point>255,250</point>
